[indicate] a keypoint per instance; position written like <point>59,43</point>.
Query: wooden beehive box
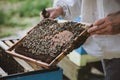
<point>49,41</point>
<point>12,68</point>
<point>6,62</point>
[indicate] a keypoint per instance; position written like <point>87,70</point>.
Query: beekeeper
<point>104,41</point>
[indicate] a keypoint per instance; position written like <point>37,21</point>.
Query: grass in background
<point>32,8</point>
<point>20,14</point>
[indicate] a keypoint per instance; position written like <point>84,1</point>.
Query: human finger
<point>92,29</point>
<point>99,27</point>
<point>99,22</point>
<point>96,28</point>
<point>101,31</point>
<point>52,15</point>
<point>104,31</point>
<point>41,16</point>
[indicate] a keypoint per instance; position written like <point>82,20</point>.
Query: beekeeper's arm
<point>68,9</point>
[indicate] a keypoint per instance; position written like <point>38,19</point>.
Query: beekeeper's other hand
<point>109,25</point>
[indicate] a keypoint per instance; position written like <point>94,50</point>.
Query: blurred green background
<point>17,15</point>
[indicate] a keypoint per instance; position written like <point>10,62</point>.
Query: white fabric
<point>105,46</point>
<point>72,8</point>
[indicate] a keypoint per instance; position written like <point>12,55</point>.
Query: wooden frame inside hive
<point>49,41</point>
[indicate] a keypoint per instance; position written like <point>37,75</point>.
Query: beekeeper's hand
<point>53,12</point>
<point>107,26</point>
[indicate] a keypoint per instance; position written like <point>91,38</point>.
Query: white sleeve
<point>71,8</point>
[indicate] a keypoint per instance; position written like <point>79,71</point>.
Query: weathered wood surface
<point>5,44</point>
<point>2,72</point>
<point>70,70</point>
<point>75,72</point>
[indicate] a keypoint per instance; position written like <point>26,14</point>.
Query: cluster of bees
<point>47,38</point>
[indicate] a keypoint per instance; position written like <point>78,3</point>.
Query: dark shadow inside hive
<point>48,39</point>
<point>8,64</point>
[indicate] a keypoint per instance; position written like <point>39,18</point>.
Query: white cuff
<point>66,11</point>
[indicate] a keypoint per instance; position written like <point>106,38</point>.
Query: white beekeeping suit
<point>72,8</point>
<point>104,46</point>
